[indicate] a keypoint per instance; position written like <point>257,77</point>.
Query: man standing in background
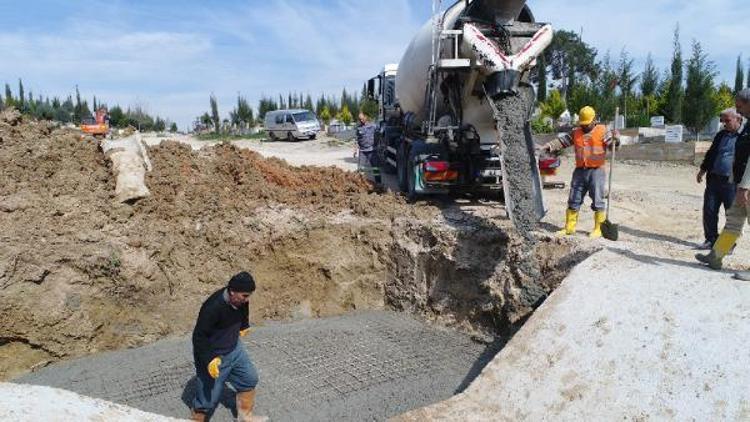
<point>738,214</point>
<point>717,167</point>
<point>367,157</point>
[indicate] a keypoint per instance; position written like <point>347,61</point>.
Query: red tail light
<point>439,171</point>
<point>547,163</point>
<point>436,166</point>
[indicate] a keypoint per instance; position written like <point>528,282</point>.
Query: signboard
<point>657,121</point>
<point>620,122</point>
<point>673,134</point>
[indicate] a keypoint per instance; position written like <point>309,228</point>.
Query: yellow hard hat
<point>586,116</point>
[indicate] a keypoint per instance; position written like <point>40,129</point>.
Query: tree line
<point>242,116</point>
<point>685,93</point>
<point>74,109</point>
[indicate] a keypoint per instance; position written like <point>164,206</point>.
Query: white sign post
<point>620,122</point>
<point>673,134</point>
<point>657,121</point>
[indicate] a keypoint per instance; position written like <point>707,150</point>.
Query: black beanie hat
<point>242,282</point>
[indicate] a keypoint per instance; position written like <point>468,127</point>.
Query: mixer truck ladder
<point>431,93</point>
<point>453,62</point>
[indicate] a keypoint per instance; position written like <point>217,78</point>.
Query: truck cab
<point>382,89</point>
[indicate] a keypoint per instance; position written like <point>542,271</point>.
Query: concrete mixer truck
<point>454,112</point>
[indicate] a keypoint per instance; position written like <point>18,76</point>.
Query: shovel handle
<point>612,164</point>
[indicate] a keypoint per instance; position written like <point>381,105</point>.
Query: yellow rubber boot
<point>722,246</point>
<point>599,217</point>
<point>571,219</point>
<point>725,243</point>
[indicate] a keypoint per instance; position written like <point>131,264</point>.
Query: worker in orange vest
<point>590,141</point>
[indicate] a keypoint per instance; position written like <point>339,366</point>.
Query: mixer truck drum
<point>502,83</point>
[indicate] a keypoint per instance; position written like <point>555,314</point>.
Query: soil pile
<point>226,179</point>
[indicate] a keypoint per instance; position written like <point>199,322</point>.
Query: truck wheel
<point>290,137</point>
<point>415,181</point>
<point>272,136</point>
<point>402,161</point>
<point>411,178</point>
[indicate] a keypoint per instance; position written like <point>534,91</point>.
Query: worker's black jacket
<point>715,153</point>
<point>218,328</point>
<point>741,154</point>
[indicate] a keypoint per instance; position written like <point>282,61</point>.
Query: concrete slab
<point>361,366</point>
<point>35,403</point>
<point>624,337</point>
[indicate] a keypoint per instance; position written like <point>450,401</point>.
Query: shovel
<point>610,231</point>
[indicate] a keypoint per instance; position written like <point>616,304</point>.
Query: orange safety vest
<point>589,147</point>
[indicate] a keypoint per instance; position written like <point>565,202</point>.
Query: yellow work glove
<point>213,367</point>
<point>244,332</point>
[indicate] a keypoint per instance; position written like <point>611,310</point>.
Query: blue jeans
<point>589,181</point>
<point>719,191</point>
<point>236,368</point>
<point>367,163</point>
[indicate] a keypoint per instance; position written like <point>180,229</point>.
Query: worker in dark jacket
<point>740,210</point>
<point>219,355</point>
<point>367,156</point>
<point>717,167</point>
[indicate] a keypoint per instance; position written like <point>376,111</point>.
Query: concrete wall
<point>685,152</point>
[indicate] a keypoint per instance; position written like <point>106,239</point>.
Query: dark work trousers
<point>719,191</point>
<point>591,181</point>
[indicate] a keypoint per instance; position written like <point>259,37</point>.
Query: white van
<point>291,125</point>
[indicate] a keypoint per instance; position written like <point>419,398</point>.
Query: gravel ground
<point>363,366</point>
<point>658,207</point>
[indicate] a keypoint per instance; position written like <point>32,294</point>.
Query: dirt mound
<point>80,272</point>
<point>228,179</point>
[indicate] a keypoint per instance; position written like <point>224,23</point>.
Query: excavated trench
<point>81,274</point>
<point>346,355</point>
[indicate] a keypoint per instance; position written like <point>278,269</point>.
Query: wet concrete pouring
<point>362,366</point>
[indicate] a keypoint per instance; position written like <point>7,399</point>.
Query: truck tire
<point>411,179</point>
<point>415,185</point>
<point>272,136</point>
<point>290,137</point>
<point>402,161</point>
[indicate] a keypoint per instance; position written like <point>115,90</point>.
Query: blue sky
<point>169,56</point>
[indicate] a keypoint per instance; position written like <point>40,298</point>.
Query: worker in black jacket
<point>740,211</point>
<point>717,167</point>
<point>219,355</point>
